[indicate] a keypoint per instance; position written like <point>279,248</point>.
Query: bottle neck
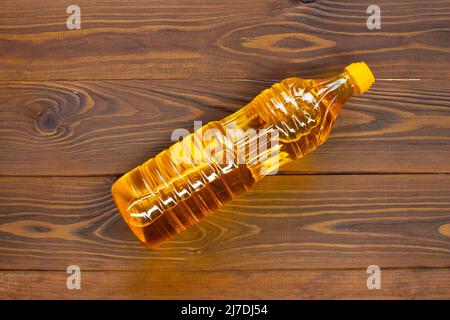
<point>350,82</point>
<point>334,92</point>
<point>298,114</point>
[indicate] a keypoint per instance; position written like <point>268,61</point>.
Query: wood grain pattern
<point>109,127</point>
<point>80,107</point>
<point>287,222</point>
<point>279,284</point>
<point>232,38</point>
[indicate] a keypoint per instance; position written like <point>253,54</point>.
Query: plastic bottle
<point>224,159</point>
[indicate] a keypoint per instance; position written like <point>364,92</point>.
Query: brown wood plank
<point>276,284</point>
<point>231,38</point>
<point>286,222</point>
<point>109,127</point>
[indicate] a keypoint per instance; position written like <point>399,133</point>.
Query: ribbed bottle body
<point>224,159</point>
<point>164,196</point>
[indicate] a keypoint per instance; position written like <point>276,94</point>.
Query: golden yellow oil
<point>164,195</point>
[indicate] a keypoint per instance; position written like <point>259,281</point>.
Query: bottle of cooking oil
<point>224,159</point>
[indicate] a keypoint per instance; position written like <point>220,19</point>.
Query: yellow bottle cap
<point>361,76</point>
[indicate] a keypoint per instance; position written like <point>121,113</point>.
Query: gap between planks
<point>238,270</point>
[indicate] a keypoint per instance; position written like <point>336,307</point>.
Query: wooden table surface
<point>78,108</point>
